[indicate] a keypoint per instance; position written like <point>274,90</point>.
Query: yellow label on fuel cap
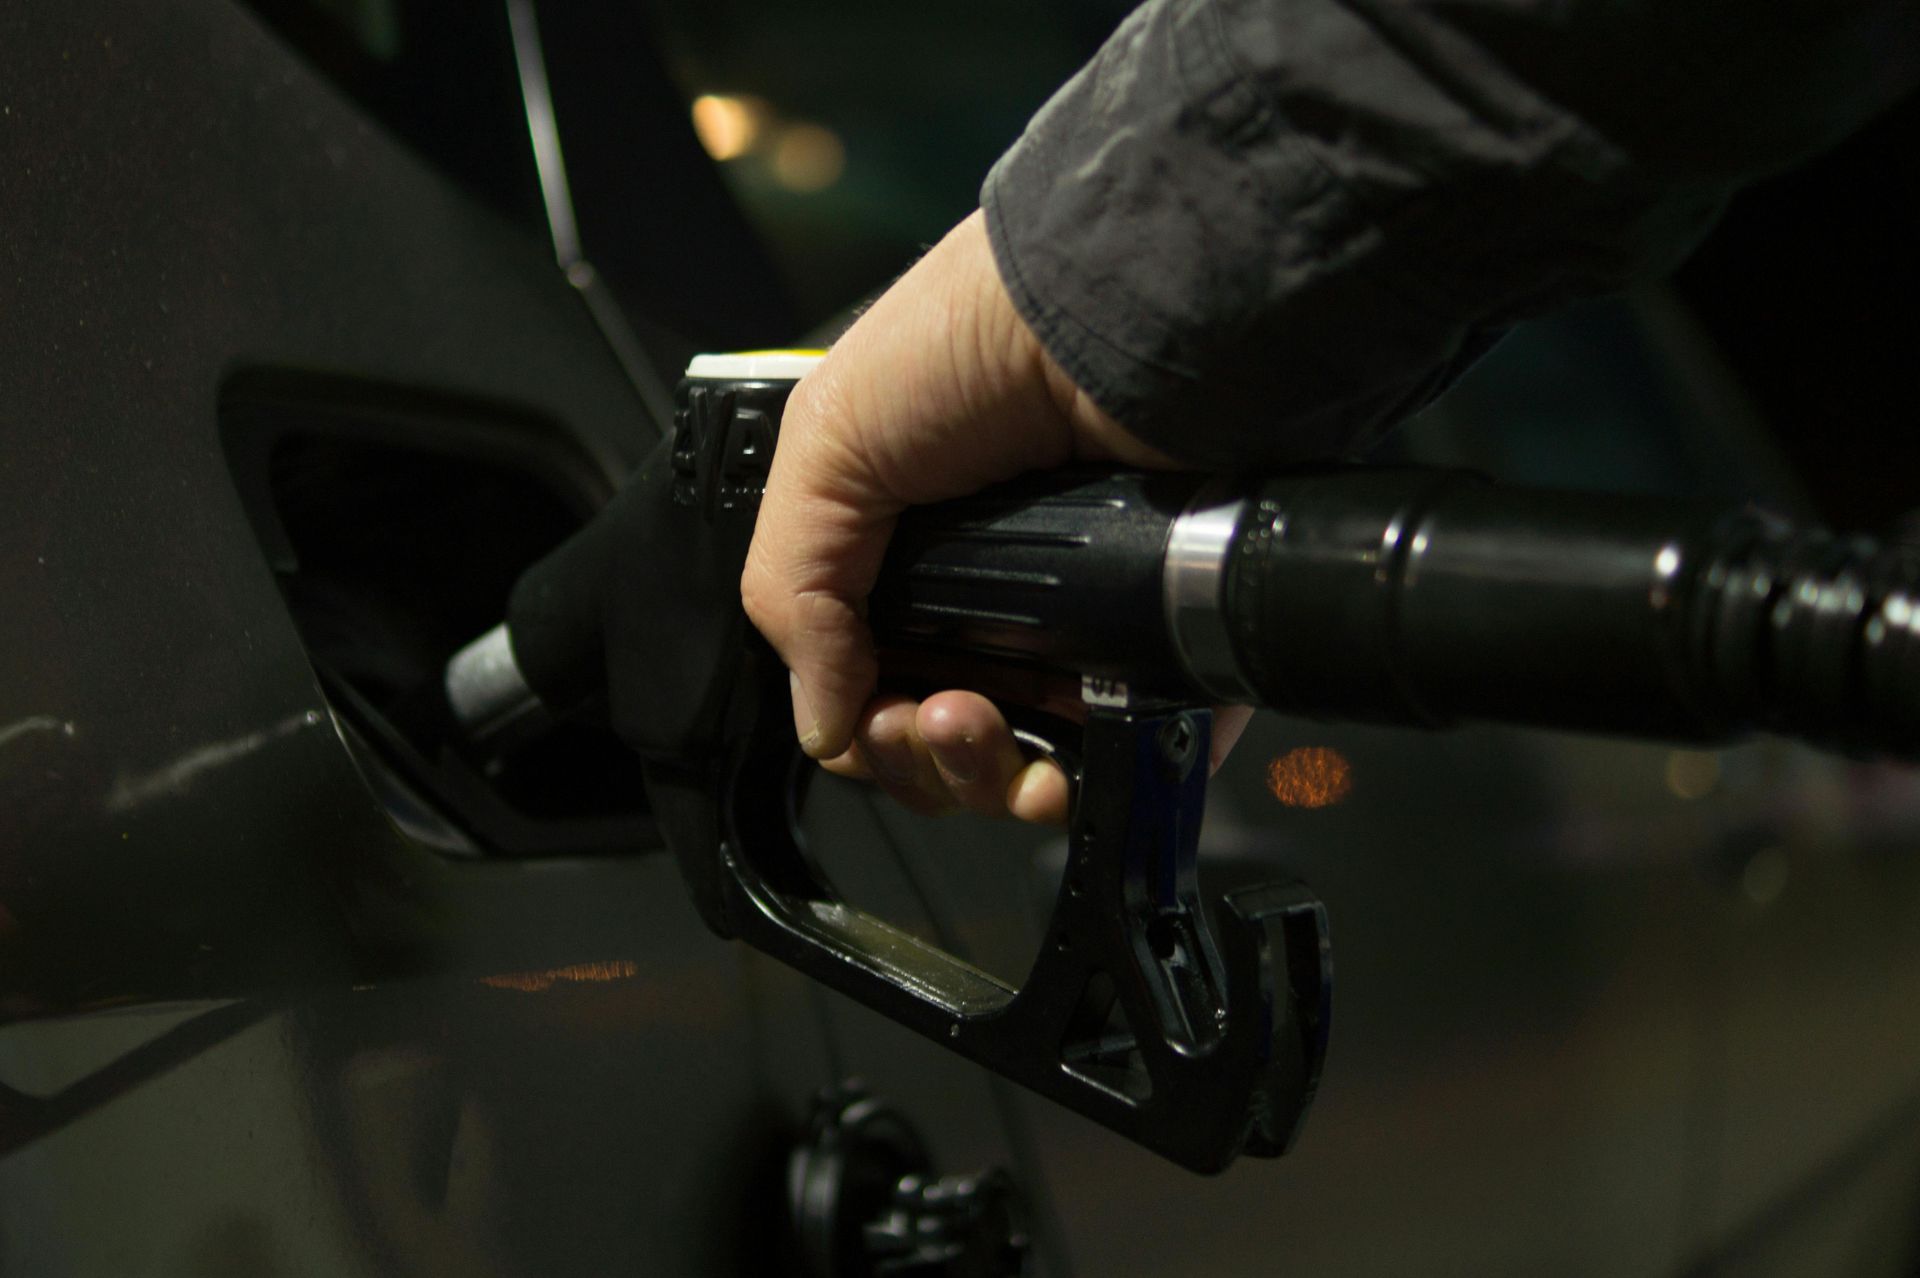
<point>755,366</point>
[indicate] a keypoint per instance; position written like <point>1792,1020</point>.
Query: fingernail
<point>893,760</point>
<point>805,725</point>
<point>1025,792</point>
<point>958,761</point>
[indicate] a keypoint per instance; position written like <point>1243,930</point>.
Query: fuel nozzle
<point>1195,1028</point>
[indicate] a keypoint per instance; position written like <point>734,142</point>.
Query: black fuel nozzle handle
<point>1405,596</point>
<point>1198,1033</point>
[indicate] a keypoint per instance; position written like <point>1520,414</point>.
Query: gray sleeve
<point>1258,230</point>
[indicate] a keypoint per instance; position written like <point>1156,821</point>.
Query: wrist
<point>1024,359</point>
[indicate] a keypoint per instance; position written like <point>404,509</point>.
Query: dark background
<point>1805,288</point>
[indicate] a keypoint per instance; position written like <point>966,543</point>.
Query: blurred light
<point>808,157</point>
<point>727,126</point>
<point>1310,777</point>
<point>538,982</point>
<point>1692,774</point>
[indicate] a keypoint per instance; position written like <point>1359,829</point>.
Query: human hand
<point>937,391</point>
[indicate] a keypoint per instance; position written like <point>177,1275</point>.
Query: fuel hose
<point>1428,597</point>
<point>1410,596</point>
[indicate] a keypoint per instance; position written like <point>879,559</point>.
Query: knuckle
<point>805,399</point>
<point>817,395</point>
<point>759,599</point>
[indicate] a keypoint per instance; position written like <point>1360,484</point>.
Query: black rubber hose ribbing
<point>1431,597</point>
<point>1810,634</point>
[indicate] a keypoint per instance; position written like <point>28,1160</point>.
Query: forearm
<point>1254,230</point>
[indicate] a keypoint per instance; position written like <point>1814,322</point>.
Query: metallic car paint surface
<point>183,822</point>
<point>1591,1019</point>
<point>191,203</point>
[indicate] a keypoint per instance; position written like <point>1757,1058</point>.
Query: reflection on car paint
<point>176,777</point>
<point>1310,777</point>
<point>538,982</point>
<point>35,723</point>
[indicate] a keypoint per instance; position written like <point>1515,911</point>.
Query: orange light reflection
<point>1310,777</point>
<point>536,982</point>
